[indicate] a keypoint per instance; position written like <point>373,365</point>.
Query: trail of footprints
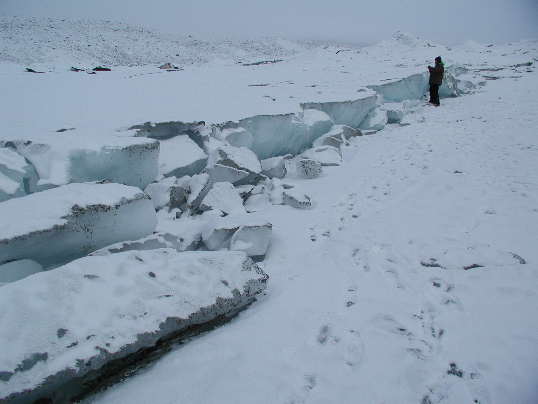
<point>424,332</point>
<point>424,342</point>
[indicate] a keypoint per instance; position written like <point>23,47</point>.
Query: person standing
<point>436,78</point>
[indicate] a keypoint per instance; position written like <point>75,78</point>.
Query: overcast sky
<point>447,22</point>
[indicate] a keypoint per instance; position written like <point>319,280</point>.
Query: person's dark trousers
<point>434,94</point>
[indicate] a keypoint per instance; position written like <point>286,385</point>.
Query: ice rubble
<point>188,148</point>
<point>56,329</point>
<point>198,168</point>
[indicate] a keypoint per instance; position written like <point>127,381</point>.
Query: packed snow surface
<point>403,270</point>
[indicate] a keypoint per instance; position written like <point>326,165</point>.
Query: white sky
<point>448,22</point>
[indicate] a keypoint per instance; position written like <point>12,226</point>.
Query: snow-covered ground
<point>413,276</point>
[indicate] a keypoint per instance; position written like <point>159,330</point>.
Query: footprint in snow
<point>354,349</point>
<point>349,341</point>
<point>350,296</point>
<point>453,379</point>
<point>307,383</point>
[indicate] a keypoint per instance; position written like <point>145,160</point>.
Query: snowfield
<point>395,242</point>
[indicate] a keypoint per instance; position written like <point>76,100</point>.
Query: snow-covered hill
<point>29,41</point>
<point>401,259</point>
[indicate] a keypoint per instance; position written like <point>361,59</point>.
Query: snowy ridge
<point>29,41</point>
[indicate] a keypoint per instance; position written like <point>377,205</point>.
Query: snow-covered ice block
<point>16,175</point>
<point>61,224</point>
<point>330,139</point>
<point>296,199</point>
<point>61,159</point>
<point>199,186</point>
<point>274,167</point>
<point>376,120</point>
<point>325,155</point>
<point>64,323</point>
<point>224,197</point>
<point>253,238</point>
<point>180,156</point>
<point>237,165</point>
<point>165,194</point>
<point>309,168</point>
<point>225,173</point>
<point>237,157</point>
<point>17,270</point>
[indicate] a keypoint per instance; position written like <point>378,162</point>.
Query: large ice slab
<point>350,113</point>
<point>68,222</point>
<point>63,323</point>
<point>180,156</point>
<point>409,88</point>
<point>63,158</point>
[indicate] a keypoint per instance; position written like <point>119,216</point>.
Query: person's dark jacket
<point>436,73</point>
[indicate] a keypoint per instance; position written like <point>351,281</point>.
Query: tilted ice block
<point>296,199</point>
<point>64,323</point>
<point>254,236</point>
<point>61,224</point>
<point>337,135</point>
<point>16,175</point>
<point>253,239</point>
<point>199,186</point>
<point>237,165</point>
<point>375,120</point>
<point>350,113</point>
<point>180,156</point>
<point>62,159</point>
<point>225,173</point>
<point>224,197</point>
<point>237,157</point>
